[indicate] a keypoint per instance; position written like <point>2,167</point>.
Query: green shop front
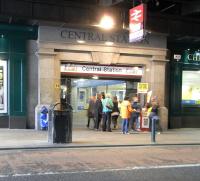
<point>13,74</point>
<point>185,88</point>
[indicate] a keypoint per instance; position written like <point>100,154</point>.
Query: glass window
<point>191,88</point>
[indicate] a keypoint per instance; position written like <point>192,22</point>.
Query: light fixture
<point>106,22</point>
<point>95,77</point>
<point>80,41</point>
<point>109,43</point>
<point>157,3</point>
<point>147,70</point>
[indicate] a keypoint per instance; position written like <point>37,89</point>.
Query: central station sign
<point>101,70</point>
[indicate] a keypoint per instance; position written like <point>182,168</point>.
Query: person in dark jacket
<point>90,111</point>
<point>115,112</point>
<point>153,113</point>
<point>98,111</point>
<point>136,114</point>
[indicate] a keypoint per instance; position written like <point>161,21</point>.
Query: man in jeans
<point>136,114</point>
<point>153,114</point>
<point>107,110</point>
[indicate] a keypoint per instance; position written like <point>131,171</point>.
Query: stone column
<point>32,73</point>
<point>158,87</point>
<point>49,79</point>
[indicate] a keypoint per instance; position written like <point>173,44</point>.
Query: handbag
<point>109,106</point>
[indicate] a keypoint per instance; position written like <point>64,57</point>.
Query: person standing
<point>136,114</point>
<point>107,109</point>
<point>115,112</point>
<point>153,114</point>
<point>98,111</point>
<point>125,114</point>
<point>90,111</point>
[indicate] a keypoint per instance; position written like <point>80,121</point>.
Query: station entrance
<point>77,89</point>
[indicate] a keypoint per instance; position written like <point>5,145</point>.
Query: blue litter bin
<point>44,118</point>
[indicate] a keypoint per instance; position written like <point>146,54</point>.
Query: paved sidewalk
<point>20,138</point>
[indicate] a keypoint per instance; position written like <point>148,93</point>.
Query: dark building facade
<point>13,74</point>
<point>184,97</point>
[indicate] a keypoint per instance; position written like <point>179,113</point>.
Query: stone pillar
<point>49,79</point>
<point>163,115</point>
<point>32,73</point>
<point>158,87</point>
<point>158,81</point>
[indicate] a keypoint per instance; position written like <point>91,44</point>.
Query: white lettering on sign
<point>193,57</point>
<point>136,15</point>
<point>93,69</point>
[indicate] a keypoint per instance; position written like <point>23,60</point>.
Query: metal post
<point>153,131</point>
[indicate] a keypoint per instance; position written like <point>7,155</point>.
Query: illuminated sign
<point>136,23</point>
<point>193,57</point>
<point>101,70</point>
<point>142,87</point>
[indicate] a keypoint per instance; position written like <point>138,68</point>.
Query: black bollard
<point>153,131</point>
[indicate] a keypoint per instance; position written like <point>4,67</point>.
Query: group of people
<point>104,109</point>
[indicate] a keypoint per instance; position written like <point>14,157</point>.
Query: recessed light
<point>147,70</point>
<point>109,43</point>
<point>80,41</point>
<point>95,77</point>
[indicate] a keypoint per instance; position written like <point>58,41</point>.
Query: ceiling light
<point>95,77</point>
<point>80,41</point>
<point>147,70</point>
<point>109,43</point>
<point>157,3</point>
<point>106,22</point>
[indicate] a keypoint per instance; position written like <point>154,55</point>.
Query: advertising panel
<point>142,87</point>
<point>191,88</point>
<point>3,86</point>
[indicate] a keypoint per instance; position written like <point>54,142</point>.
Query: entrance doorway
<point>77,92</point>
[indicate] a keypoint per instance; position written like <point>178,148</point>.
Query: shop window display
<point>191,88</point>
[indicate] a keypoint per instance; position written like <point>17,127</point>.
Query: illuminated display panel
<point>191,88</point>
<point>3,86</point>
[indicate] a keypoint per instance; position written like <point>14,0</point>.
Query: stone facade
<point>51,53</point>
